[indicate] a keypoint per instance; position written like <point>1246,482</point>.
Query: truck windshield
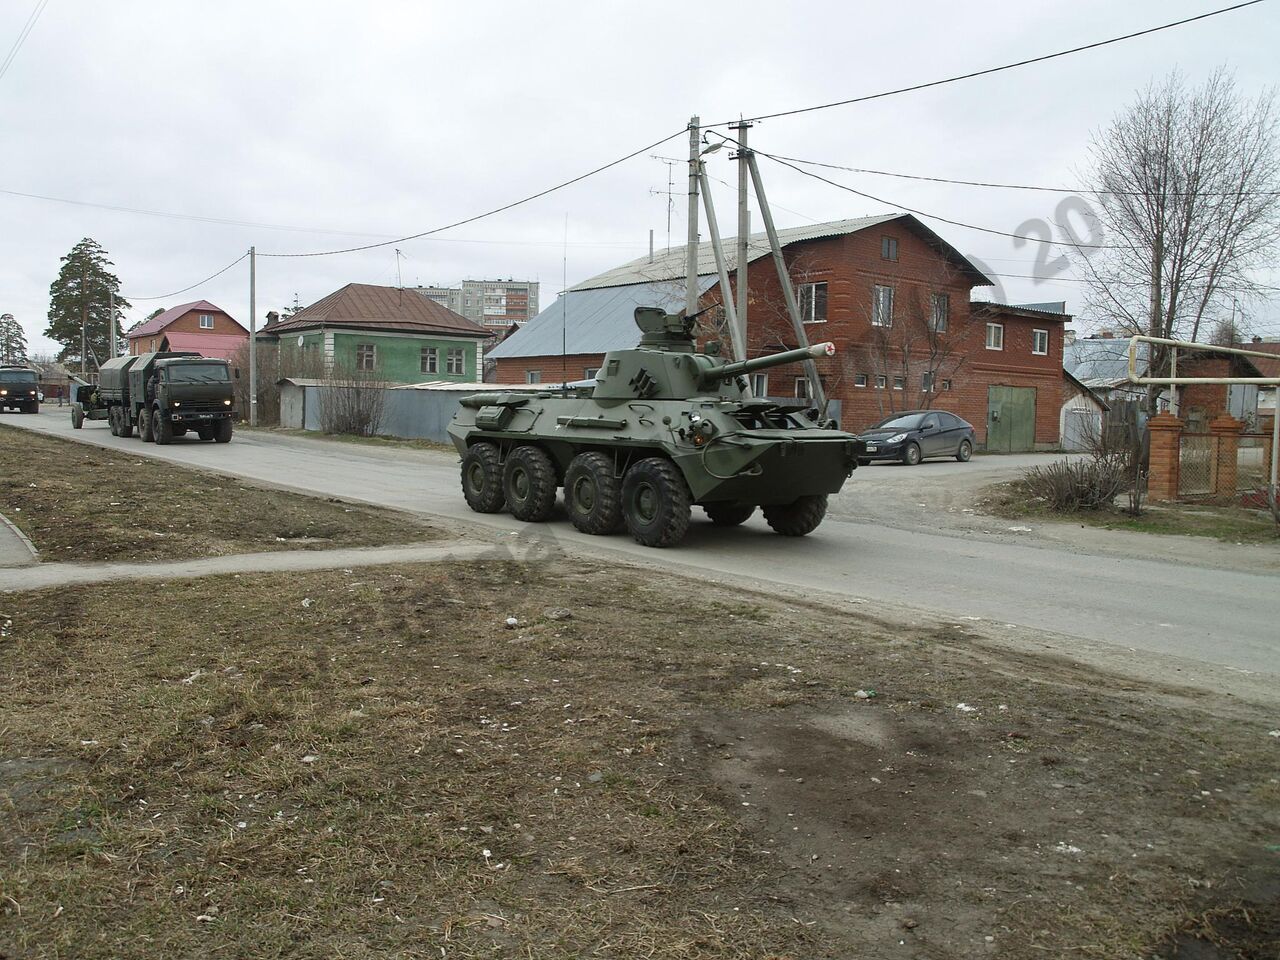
<point>198,373</point>
<point>17,376</point>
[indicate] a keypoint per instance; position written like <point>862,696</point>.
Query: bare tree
<point>352,401</point>
<point>1188,197</point>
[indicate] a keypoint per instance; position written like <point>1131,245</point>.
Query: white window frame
<point>995,342</point>
<point>880,317</point>
<point>373,357</point>
<point>206,317</point>
<point>802,388</point>
<point>882,382</point>
<point>450,355</point>
<point>860,380</point>
<point>1036,335</point>
<point>926,382</point>
<point>889,245</point>
<point>429,360</point>
<point>899,383</point>
<point>938,324</point>
<point>589,373</point>
<point>533,376</point>
<point>808,301</point>
<point>760,384</point>
<point>946,384</point>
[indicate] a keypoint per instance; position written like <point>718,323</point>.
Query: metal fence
<point>1253,465</point>
<point>1197,464</point>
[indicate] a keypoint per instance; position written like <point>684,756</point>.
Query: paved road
<point>1221,617</point>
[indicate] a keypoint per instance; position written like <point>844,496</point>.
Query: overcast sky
<point>348,123</point>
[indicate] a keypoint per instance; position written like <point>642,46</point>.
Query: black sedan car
<point>913,435</point>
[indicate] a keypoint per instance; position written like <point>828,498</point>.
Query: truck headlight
<point>226,403</point>
<point>177,403</point>
<point>4,393</point>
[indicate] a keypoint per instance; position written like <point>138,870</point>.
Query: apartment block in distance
<point>491,303</point>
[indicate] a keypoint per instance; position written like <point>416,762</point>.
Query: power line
<point>22,35</point>
<point>989,70</point>
<point>488,213</point>
<point>175,293</point>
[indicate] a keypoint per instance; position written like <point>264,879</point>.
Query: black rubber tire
<point>593,494</point>
<point>655,503</point>
<point>34,408</point>
<point>144,426</point>
<point>204,433</point>
<point>798,518</point>
<point>965,452</point>
<point>911,454</point>
<point>126,428</point>
<point>864,463</point>
<point>727,514</point>
<point>223,432</point>
<point>179,431</point>
<point>77,418</point>
<point>529,483</point>
<point>113,420</point>
<point>482,478</point>
<point>161,427</point>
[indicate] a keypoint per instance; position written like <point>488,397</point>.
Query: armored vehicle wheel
<point>144,426</point>
<point>161,428</point>
<point>965,451</point>
<point>113,421</point>
<point>77,418</point>
<point>798,518</point>
<point>911,455</point>
<point>655,503</point>
<point>222,432</point>
<point>727,514</point>
<point>482,478</point>
<point>592,494</point>
<point>529,483</point>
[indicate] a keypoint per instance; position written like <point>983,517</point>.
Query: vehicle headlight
<point>177,403</point>
<point>897,438</point>
<point>32,392</point>
<point>4,393</point>
<point>226,403</point>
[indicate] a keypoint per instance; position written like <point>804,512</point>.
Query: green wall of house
<point>398,358</point>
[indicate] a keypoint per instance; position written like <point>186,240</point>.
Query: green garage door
<point>1011,419</point>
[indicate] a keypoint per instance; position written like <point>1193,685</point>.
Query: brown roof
<point>365,306</point>
<point>1268,368</point>
<point>162,320</point>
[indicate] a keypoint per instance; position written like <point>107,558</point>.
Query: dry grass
<point>82,503</point>
<point>371,763</point>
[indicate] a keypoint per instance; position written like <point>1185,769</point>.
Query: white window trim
<point>875,305</point>
<point>899,383</point>
<point>863,384</point>
<point>533,376</point>
<point>933,313</point>
<point>1035,335</point>
<point>452,353</point>
<point>992,326</point>
<point>760,384</point>
<point>374,365</point>
<point>432,357</point>
<point>882,382</point>
<point>813,301</point>
<point>802,388</point>
<point>203,318</point>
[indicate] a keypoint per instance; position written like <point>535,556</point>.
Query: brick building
<point>892,295</point>
<point>200,326</point>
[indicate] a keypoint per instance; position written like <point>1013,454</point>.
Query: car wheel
<point>799,517</point>
<point>965,451</point>
<point>911,455</point>
<point>529,483</point>
<point>593,494</point>
<point>728,514</point>
<point>482,478</point>
<point>656,502</point>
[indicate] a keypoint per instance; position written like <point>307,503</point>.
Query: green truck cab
<point>19,389</point>
<point>168,394</point>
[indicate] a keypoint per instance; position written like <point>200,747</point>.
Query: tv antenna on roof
<point>669,193</point>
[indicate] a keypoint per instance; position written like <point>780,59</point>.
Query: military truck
<point>19,388</point>
<point>168,394</point>
<point>663,427</point>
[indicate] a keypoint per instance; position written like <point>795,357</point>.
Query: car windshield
<point>909,422</point>
<point>17,376</point>
<point>198,373</point>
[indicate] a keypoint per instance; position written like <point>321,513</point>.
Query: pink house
<point>201,326</point>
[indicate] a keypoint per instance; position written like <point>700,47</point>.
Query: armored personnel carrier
<point>662,428</point>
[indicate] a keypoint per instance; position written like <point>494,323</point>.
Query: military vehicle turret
<point>662,428</point>
<point>19,388</point>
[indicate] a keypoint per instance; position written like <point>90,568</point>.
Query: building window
<point>995,336</point>
<point>1040,342</point>
<point>366,356</point>
<point>859,379</point>
<point>888,248</point>
<point>533,376</point>
<point>590,373</point>
<point>453,362</point>
<point>430,360</point>
<point>926,382</point>
<point>946,384</point>
<point>760,384</point>
<point>882,306</point>
<point>899,383</point>
<point>881,383</point>
<point>206,322</point>
<point>813,302</point>
<point>802,387</point>
<point>941,313</point>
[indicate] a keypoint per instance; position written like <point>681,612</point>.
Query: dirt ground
<point>81,503</point>
<point>375,763</point>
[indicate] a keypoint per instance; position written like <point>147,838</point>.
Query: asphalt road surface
<point>1164,605</point>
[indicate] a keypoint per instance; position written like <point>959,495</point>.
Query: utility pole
<point>691,258</point>
<point>816,393</point>
<point>84,314</point>
<point>253,337</point>
<point>111,321</point>
<point>744,228</point>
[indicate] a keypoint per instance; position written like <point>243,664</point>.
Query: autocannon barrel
<point>730,370</point>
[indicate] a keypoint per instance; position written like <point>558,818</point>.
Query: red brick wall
<point>554,369</point>
<point>189,322</point>
<point>1203,402</point>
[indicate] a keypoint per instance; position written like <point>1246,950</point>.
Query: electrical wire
<point>175,293</point>
<point>488,213</point>
<point>989,70</point>
<point>22,36</point>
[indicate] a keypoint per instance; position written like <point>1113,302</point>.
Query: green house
<point>387,332</point>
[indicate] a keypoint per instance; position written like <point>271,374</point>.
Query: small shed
<point>1080,423</point>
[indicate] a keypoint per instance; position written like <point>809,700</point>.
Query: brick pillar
<point>1226,436</point>
<point>1162,474</point>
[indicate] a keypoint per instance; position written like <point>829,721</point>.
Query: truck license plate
<point>871,448</point>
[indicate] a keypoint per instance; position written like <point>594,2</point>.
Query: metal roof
<point>598,320</point>
<point>1053,306</point>
<point>368,307</point>
<point>1102,360</point>
<point>161,320</point>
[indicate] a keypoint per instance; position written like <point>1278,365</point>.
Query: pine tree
<point>81,295</point>
<point>13,341</point>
